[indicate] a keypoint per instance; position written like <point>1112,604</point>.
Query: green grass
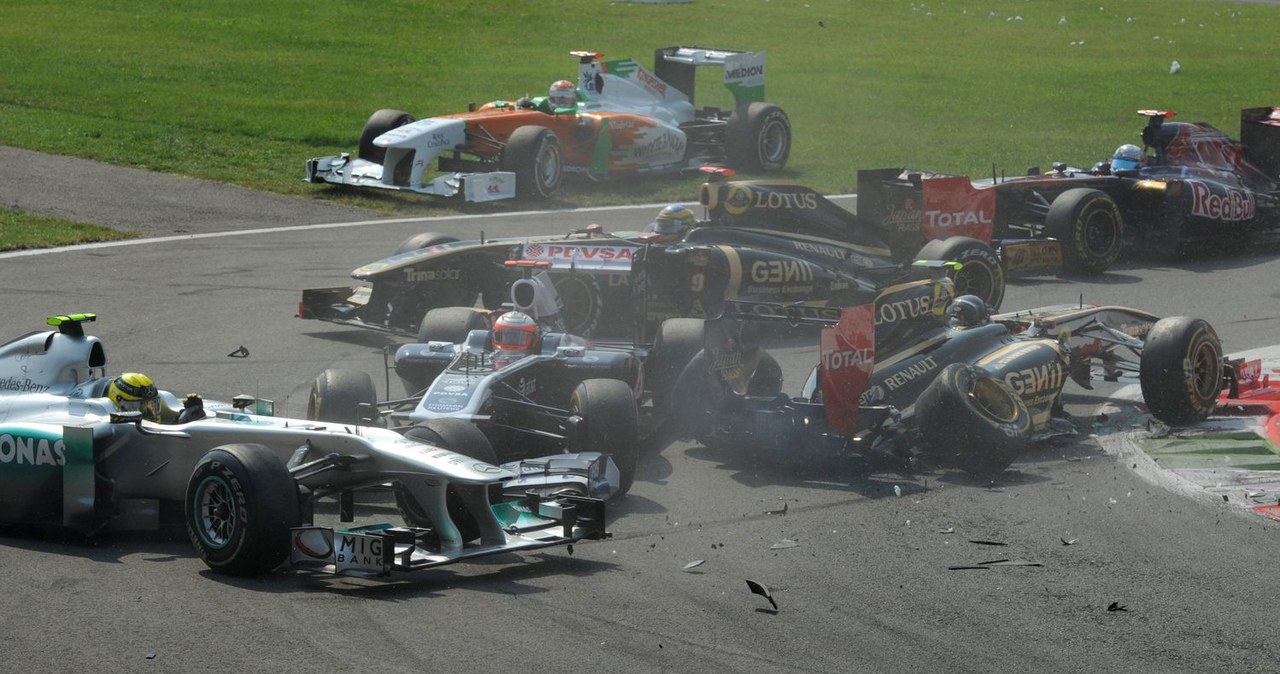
<point>19,230</point>
<point>244,92</point>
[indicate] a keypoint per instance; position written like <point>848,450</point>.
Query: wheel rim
<point>773,142</point>
<point>974,279</point>
<point>994,400</point>
<point>1204,371</point>
<point>578,303</point>
<point>1100,234</point>
<point>548,166</point>
<point>216,519</point>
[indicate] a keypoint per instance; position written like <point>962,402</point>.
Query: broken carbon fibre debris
<point>694,564</point>
<point>239,353</point>
<point>763,591</point>
<point>784,544</point>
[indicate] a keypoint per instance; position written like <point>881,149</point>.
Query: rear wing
<point>1260,136</point>
<point>744,71</point>
<point>672,78</point>
<point>912,206</point>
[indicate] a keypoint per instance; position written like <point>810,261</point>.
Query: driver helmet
<point>1127,157</point>
<point>967,311</point>
<point>562,94</point>
<point>672,222</point>
<point>135,392</point>
<point>514,331</point>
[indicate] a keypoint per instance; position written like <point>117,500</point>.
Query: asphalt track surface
<point>866,587</point>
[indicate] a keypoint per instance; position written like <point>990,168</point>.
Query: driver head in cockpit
<point>515,334</point>
<point>1128,157</point>
<point>135,392</point>
<point>672,223</point>
<point>562,94</point>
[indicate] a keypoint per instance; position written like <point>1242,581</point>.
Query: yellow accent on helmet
<point>131,387</point>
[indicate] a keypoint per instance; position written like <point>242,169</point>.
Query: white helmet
<point>562,94</point>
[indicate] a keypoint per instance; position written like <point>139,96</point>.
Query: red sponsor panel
<point>954,207</point>
<point>848,357</point>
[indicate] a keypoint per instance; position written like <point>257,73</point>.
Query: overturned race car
<point>620,120</point>
<point>244,483</point>
<point>955,388</point>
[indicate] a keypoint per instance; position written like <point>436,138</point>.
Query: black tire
<point>1088,226</point>
<point>970,419</point>
<point>699,396</point>
<point>458,436</point>
<point>240,505</point>
<point>582,299</point>
<point>981,273</point>
<point>450,324</point>
<point>696,398</point>
<point>533,153</point>
<point>1181,370</point>
<point>677,342</point>
<point>335,395</point>
<point>608,409</point>
<point>423,240</point>
<point>379,123</point>
<point>758,137</point>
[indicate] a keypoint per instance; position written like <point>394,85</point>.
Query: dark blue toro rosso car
<point>1191,184</point>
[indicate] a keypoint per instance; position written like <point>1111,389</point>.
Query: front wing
<point>379,549</point>
<point>477,187</point>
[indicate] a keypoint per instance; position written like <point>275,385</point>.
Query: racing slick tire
<point>612,425</point>
<point>445,324</point>
<point>533,153</point>
<point>677,342</point>
<point>336,394</point>
<point>697,399</point>
<point>758,137</point>
<point>240,505</point>
<point>970,419</point>
<point>582,299</point>
<point>980,273</point>
<point>700,397</point>
<point>450,324</point>
<point>1088,226</point>
<point>1181,370</point>
<point>423,240</point>
<point>379,123</point>
<point>458,436</point>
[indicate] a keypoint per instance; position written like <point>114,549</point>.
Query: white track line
<point>302,228</point>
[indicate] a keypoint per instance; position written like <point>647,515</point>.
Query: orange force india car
<point>627,120</point>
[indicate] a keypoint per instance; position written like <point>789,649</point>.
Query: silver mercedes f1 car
<point>245,482</point>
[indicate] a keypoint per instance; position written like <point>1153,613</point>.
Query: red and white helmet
<point>563,94</point>
<point>514,331</point>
